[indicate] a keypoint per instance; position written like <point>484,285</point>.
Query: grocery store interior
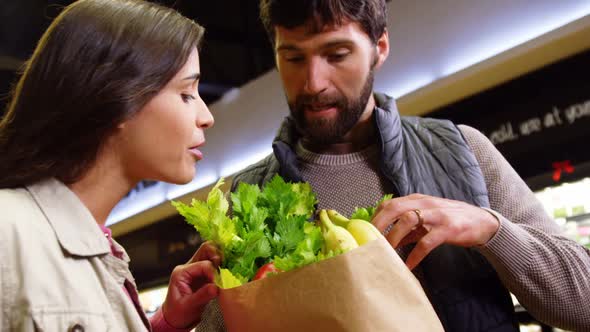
<point>516,70</point>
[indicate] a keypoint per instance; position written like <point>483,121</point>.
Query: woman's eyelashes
<point>187,97</point>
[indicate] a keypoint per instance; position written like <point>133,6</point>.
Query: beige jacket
<point>56,273</point>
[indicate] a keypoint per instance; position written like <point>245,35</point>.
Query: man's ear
<point>382,48</point>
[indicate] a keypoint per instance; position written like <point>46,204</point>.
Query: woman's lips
<point>196,153</point>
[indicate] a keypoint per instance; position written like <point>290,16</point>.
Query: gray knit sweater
<point>528,251</point>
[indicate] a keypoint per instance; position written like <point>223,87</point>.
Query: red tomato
<point>265,270</point>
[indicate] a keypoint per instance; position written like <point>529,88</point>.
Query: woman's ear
<point>382,48</point>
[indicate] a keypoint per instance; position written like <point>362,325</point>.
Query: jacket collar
<point>288,133</point>
<point>75,227</point>
<point>387,120</point>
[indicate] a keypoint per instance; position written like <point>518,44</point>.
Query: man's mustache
<point>307,101</point>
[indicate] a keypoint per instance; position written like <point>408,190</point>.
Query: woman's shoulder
<point>23,226</point>
<point>17,208</point>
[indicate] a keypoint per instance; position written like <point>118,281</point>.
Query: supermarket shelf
<point>579,218</point>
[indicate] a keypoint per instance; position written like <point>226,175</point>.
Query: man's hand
<point>191,288</point>
<point>431,221</point>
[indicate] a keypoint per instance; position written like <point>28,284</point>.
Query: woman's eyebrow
<point>194,77</point>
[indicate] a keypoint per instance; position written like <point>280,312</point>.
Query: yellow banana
<point>362,231</point>
<point>337,238</point>
<point>337,218</point>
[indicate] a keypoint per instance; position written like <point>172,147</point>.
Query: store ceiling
<point>429,39</point>
<point>236,49</point>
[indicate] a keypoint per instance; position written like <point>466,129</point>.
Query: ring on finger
<point>420,219</point>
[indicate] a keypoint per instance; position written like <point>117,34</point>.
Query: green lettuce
<point>225,279</point>
<point>366,213</point>
<point>269,224</point>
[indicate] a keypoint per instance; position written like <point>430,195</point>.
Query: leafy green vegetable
<point>367,213</point>
<point>267,225</point>
<point>288,233</point>
<point>306,252</point>
<point>225,279</point>
<point>210,219</point>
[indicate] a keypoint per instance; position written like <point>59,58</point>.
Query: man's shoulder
<point>445,131</point>
<point>427,122</point>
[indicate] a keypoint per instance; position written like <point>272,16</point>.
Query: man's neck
<point>357,139</point>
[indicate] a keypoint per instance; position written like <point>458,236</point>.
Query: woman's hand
<point>191,288</point>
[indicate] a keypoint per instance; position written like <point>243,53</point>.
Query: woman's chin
<point>184,177</point>
<point>187,179</point>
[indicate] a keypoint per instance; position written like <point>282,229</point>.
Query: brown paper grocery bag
<point>366,289</point>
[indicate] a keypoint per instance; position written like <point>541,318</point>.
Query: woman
<point>108,98</point>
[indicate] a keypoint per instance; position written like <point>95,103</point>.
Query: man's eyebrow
<point>336,43</point>
<point>288,47</point>
<point>330,44</point>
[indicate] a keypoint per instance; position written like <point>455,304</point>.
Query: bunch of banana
<point>337,238</point>
<point>362,230</point>
<point>343,234</point>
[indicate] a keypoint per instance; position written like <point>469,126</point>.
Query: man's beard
<point>329,131</point>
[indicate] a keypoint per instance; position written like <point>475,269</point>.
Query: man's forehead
<point>307,32</point>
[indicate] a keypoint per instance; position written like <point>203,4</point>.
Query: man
<point>464,221</point>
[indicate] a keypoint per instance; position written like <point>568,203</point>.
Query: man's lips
<point>319,110</point>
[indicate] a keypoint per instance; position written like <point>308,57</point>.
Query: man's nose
<point>316,77</point>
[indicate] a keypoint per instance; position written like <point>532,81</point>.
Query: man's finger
<point>428,243</point>
<point>390,211</point>
<point>400,201</point>
<point>407,223</point>
<point>413,237</point>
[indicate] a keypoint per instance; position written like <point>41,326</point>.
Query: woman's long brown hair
<point>97,64</point>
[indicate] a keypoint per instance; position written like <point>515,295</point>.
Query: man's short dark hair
<point>370,14</point>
